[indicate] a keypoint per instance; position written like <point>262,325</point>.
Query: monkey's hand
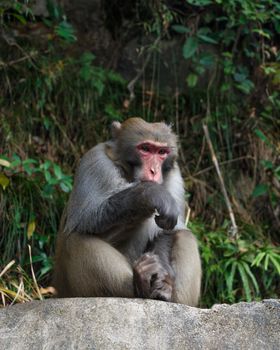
<point>161,201</point>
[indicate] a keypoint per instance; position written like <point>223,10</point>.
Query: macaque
<point>123,231</point>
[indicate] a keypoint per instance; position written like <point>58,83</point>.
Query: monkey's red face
<point>152,155</point>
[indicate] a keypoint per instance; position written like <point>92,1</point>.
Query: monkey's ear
<point>115,129</point>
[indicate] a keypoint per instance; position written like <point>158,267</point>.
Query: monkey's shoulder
<point>97,168</point>
<point>96,156</point>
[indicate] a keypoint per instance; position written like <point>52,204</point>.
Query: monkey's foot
<point>151,280</point>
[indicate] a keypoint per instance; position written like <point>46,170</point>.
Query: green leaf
<point>261,135</point>
<point>239,77</point>
<point>29,161</point>
<point>192,80</point>
<point>258,259</point>
<point>45,270</point>
<point>54,10</point>
<point>266,261</point>
<point>53,181</point>
<point>46,165</point>
<point>207,59</point>
<point>57,171</point>
<point>65,31</point>
<point>246,86</point>
<point>115,77</point>
<point>230,278</point>
<point>15,163</point>
<point>277,172</point>
<point>86,72</point>
<point>252,277</point>
<point>275,262</point>
<point>27,165</point>
<point>262,33</point>
<point>47,123</point>
<point>99,85</point>
<point>245,281</point>
<point>225,87</point>
<point>20,18</point>
<point>200,2</point>
<point>190,47</point>
<point>66,187</point>
<point>207,39</point>
<point>87,58</point>
<point>48,176</point>
<point>48,190</point>
<point>112,112</point>
<point>180,29</point>
<point>267,164</point>
<point>260,190</point>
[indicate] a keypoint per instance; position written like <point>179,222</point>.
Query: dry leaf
<point>5,163</point>
<point>4,181</point>
<point>30,229</point>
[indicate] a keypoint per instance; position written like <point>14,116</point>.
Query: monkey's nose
<point>153,171</point>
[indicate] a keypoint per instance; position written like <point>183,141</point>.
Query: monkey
<point>123,231</point>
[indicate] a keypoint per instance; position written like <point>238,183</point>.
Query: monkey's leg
<point>170,270</point>
<point>185,261</point>
<point>95,268</point>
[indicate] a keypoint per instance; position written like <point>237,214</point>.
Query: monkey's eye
<point>145,148</point>
<point>163,151</point>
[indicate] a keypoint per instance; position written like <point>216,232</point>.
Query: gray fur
<point>96,180</point>
<point>89,212</point>
<point>111,221</point>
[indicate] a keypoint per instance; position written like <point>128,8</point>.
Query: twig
<point>223,163</point>
<point>234,228</point>
<point>201,155</point>
<point>12,42</point>
<point>131,84</point>
<point>6,268</point>
<point>11,63</point>
<point>63,132</point>
<point>33,274</point>
<point>177,117</point>
<point>237,37</point>
<point>19,289</point>
<point>3,299</point>
<point>188,216</point>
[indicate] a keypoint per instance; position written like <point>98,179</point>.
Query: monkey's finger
<point>166,223</point>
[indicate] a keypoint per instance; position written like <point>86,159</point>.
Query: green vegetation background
<point>56,102</point>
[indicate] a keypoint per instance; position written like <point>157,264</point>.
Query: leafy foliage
<point>242,269</point>
<point>57,101</point>
<point>29,188</point>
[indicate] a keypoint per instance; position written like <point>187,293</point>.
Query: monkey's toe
<point>151,280</point>
<point>162,287</point>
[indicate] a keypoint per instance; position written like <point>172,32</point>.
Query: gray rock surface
<point>110,323</point>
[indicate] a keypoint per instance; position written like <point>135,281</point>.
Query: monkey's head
<point>146,151</point>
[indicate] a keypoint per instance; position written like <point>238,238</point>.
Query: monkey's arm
<point>102,200</point>
<point>135,204</point>
<point>127,207</point>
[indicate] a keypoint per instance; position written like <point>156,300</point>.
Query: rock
<point>111,323</point>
